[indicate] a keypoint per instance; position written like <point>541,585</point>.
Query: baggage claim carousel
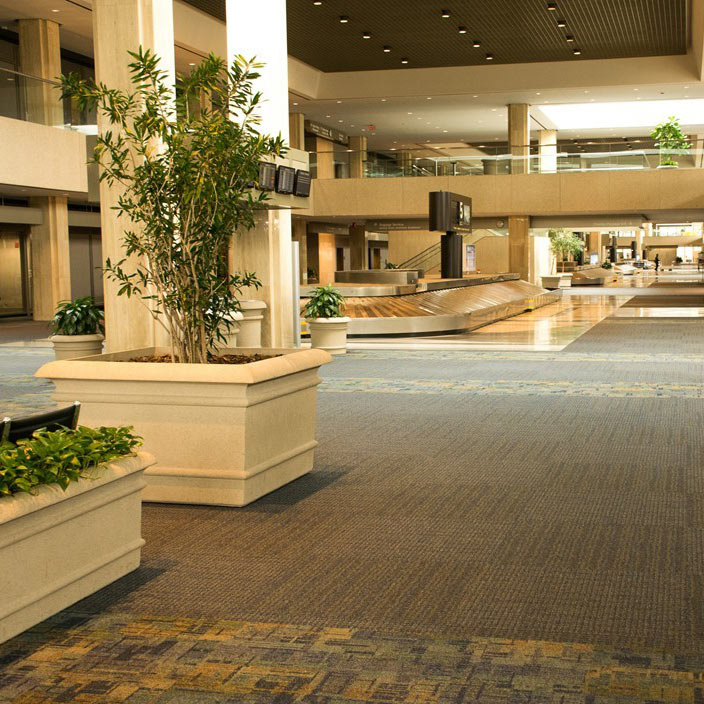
<point>397,302</point>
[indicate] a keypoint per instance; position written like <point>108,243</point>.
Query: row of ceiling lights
<point>562,24</point>
<point>461,29</point>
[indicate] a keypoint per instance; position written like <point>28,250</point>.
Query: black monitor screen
<point>285,176</point>
<point>302,187</point>
<point>267,176</point>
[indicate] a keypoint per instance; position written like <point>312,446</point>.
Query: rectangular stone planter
<point>222,434</point>
<point>57,547</point>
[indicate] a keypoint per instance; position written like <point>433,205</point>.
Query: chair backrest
<point>21,428</point>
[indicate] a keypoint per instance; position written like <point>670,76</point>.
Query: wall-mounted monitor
<point>285,178</point>
<point>302,184</point>
<point>449,212</point>
<point>267,176</point>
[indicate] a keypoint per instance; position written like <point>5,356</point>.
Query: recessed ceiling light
<point>586,91</point>
<point>428,98</point>
<point>489,57</point>
<point>481,146</point>
<point>410,113</point>
<point>344,19</point>
<point>493,109</point>
<point>577,52</point>
<point>56,10</point>
<point>383,100</point>
<point>476,43</point>
<point>552,6</point>
<point>636,89</point>
<point>338,102</point>
<point>193,63</point>
<point>340,120</point>
<point>404,61</point>
<point>317,2</point>
<point>445,13</point>
<point>537,93</point>
<point>686,87</point>
<point>328,116</point>
<point>462,29</point>
<point>444,130</point>
<point>475,96</point>
<point>561,23</point>
<point>366,35</point>
<point>387,49</point>
<point>295,103</point>
<point>570,38</point>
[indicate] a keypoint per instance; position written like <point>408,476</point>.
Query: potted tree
<point>78,329</point>
<point>225,428</point>
<point>70,519</point>
<point>562,244</point>
<point>327,325</point>
<point>670,140</point>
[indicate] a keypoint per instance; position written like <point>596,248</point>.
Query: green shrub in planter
<point>79,317</point>
<point>607,265</point>
<point>325,302</point>
<point>61,456</point>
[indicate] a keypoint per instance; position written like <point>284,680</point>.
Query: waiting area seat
<point>14,429</point>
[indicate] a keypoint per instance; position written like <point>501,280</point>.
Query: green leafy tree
<point>669,138</point>
<point>185,186</point>
<point>564,243</point>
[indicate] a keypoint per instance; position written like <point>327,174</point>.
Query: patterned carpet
<point>479,527</point>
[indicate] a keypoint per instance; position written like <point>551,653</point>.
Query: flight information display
<point>302,187</point>
<point>267,176</point>
<point>285,178</point>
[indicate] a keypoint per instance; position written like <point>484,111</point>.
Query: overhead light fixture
<point>445,13</point>
<point>489,57</point>
<point>404,61</point>
<point>569,38</point>
<point>387,49</point>
<point>366,35</point>
<point>428,98</point>
<point>383,100</point>
<point>344,19</point>
<point>462,29</point>
<point>561,23</point>
<point>191,63</point>
<point>56,10</point>
<point>552,6</point>
<point>577,52</point>
<point>476,43</point>
<point>317,2</point>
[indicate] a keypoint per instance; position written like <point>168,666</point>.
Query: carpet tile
<point>130,659</point>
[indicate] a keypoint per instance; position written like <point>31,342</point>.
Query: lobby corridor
<point>481,526</point>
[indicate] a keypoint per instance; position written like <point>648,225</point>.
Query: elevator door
<point>13,273</point>
<point>86,263</point>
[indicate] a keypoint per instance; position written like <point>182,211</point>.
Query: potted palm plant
<point>78,329</point>
<point>562,244</point>
<point>70,519</point>
<point>327,325</point>
<point>226,426</point>
<point>670,140</point>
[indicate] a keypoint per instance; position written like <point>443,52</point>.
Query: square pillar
<point>519,137</point>
<point>299,234</point>
<point>324,158</point>
<point>313,256</point>
<point>358,157</point>
<point>297,132</point>
<point>519,249</point>
<point>358,247</point>
<point>547,140</point>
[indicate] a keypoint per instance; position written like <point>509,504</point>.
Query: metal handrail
<point>28,75</point>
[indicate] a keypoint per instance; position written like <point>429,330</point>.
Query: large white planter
<point>329,334</point>
<point>221,434</point>
<point>74,346</point>
<point>57,547</point>
<point>251,323</point>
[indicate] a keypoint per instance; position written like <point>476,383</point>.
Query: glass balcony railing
<point>613,156</point>
<point>32,99</point>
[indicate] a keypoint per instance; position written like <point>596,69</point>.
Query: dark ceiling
<point>513,31</point>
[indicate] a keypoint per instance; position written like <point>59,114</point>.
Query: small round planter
<point>329,334</point>
<point>75,346</point>
<point>251,323</point>
<point>233,333</point>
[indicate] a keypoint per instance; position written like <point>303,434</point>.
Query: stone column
<point>519,249</point>
<point>547,140</point>
<point>266,249</point>
<point>358,157</point>
<point>297,132</point>
<point>324,158</point>
<point>594,243</point>
<point>40,55</point>
<point>519,137</point>
<point>299,235</point>
<point>358,247</point>
<point>119,26</point>
<point>313,253</point>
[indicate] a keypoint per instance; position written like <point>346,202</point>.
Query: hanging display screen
<point>302,187</point>
<point>267,176</point>
<point>285,178</point>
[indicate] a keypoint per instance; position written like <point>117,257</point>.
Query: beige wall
<point>492,255</point>
<point>327,258</point>
<point>37,156</point>
<point>406,244</point>
<point>499,196</point>
<point>10,272</point>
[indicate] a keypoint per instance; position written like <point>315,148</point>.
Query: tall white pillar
<point>547,141</point>
<point>255,30</point>
<point>119,26</point>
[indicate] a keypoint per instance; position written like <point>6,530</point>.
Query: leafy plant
<point>61,456</point>
<point>389,265</point>
<point>185,186</point>
<point>607,265</point>
<point>563,243</point>
<point>325,302</point>
<point>669,137</point>
<point>79,317</point>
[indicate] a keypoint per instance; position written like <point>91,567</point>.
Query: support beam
<point>358,157</point>
<point>299,234</point>
<point>297,132</point>
<point>119,26</point>
<point>519,137</point>
<point>519,249</point>
<point>547,149</point>
<point>266,249</point>
<point>358,247</point>
<point>324,159</point>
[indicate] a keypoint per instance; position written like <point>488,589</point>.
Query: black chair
<point>14,429</point>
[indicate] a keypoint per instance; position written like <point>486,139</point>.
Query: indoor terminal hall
<point>352,352</point>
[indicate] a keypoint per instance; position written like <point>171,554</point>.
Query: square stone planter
<point>57,547</point>
<point>222,434</point>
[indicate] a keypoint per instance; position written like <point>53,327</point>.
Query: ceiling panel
<point>513,31</point>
